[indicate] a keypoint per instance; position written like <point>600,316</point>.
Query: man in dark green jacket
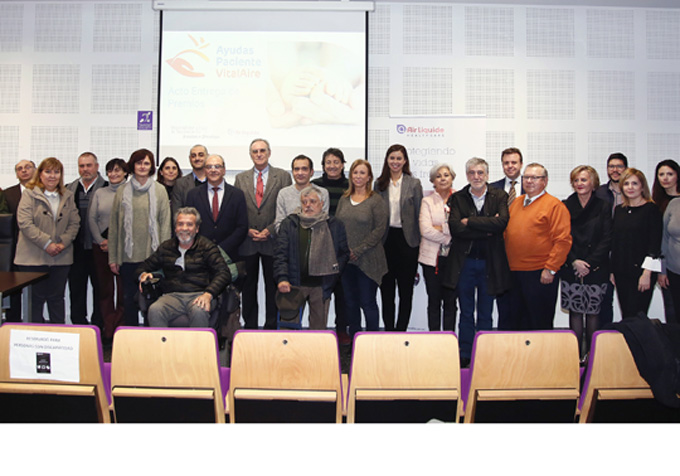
<point>194,274</point>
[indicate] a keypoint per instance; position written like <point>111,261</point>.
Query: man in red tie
<point>223,208</point>
<point>261,186</point>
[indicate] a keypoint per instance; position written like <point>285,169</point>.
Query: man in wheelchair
<point>193,273</point>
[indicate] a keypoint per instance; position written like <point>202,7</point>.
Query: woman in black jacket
<point>583,278</point>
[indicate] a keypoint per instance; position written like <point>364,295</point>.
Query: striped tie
<point>513,194</point>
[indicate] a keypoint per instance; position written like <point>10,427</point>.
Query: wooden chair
<point>613,390</point>
<point>404,378</point>
<point>166,375</point>
<point>524,377</point>
<point>285,376</point>
<point>76,394</point>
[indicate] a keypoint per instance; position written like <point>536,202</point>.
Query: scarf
<point>322,258</point>
<point>150,190</point>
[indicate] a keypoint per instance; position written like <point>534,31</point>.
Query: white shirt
<point>518,180</point>
<point>479,201</point>
<point>528,201</point>
<point>394,189</point>
<point>220,195</point>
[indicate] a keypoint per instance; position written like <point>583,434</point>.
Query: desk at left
<point>13,281</point>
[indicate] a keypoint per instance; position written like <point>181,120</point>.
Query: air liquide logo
<point>188,62</point>
<point>420,131</point>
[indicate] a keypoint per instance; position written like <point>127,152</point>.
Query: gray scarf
<point>322,258</point>
<point>150,189</point>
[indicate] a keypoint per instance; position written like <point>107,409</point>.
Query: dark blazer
<point>231,227</point>
<point>180,190</point>
<point>501,184</point>
<point>263,217</point>
<point>13,195</point>
<point>410,198</point>
<point>488,226</point>
<point>591,232</point>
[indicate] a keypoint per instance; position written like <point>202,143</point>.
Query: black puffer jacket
<point>204,267</point>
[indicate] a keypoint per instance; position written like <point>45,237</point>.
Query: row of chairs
<point>174,375</point>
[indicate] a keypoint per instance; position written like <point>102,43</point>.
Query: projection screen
<point>295,78</point>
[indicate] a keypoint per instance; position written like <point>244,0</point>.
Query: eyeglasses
<point>214,166</point>
<point>533,178</point>
<point>620,167</point>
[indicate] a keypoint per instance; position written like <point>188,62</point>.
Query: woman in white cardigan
<point>434,247</point>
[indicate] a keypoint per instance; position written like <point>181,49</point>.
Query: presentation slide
<point>303,91</point>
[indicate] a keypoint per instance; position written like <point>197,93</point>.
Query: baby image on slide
<point>314,83</point>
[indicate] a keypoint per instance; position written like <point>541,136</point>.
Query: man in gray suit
<point>261,186</point>
<point>197,157</point>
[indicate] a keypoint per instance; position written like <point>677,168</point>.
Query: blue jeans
<point>472,284</point>
<point>360,294</point>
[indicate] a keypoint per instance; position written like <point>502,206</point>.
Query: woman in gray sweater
<point>364,214</point>
<point>98,215</point>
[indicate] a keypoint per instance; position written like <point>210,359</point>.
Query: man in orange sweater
<point>537,240</point>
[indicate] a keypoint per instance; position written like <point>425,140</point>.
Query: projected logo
<point>189,62</point>
<point>420,131</point>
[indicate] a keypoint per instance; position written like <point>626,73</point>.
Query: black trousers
<point>402,265</point>
<point>631,300</point>
<point>529,305</point>
<point>83,269</point>
<point>249,292</point>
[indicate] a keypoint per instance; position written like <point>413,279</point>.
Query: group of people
<point>507,241</point>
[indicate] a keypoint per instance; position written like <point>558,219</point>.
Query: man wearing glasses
<point>223,208</point>
<point>611,193</point>
<point>537,241</point>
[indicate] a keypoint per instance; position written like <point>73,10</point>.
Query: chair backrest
<point>528,376</point>
<point>614,390</point>
<point>6,241</point>
<point>166,375</point>
<point>51,373</point>
<point>285,376</point>
<point>404,377</point>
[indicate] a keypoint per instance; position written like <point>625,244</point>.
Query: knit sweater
<point>335,187</point>
<point>99,211</point>
<point>365,224</point>
<point>140,225</point>
<point>538,236</point>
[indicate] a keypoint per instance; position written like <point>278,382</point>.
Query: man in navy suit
<point>24,170</point>
<point>511,158</point>
<point>228,227</point>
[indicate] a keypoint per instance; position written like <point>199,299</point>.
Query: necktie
<point>513,193</point>
<point>215,204</point>
<point>259,191</point>
<point>527,201</point>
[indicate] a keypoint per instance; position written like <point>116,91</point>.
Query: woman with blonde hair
<point>364,214</point>
<point>583,277</point>
<point>48,222</point>
<point>636,244</point>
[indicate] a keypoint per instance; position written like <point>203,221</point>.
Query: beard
<point>185,238</point>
